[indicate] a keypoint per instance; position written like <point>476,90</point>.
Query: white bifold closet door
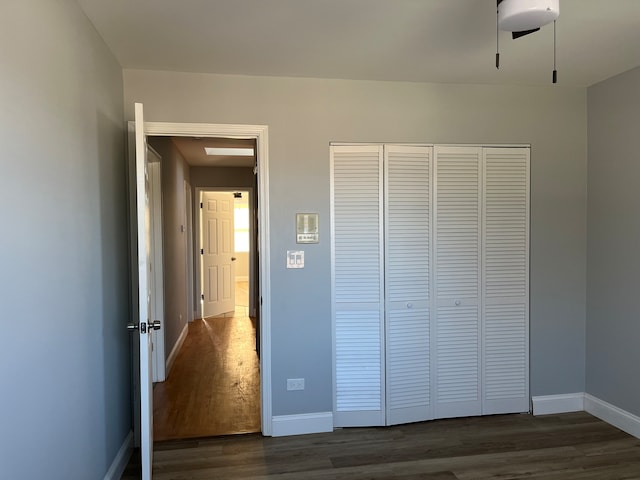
<point>481,277</point>
<point>382,355</point>
<point>505,281</point>
<point>358,285</point>
<point>407,173</point>
<point>430,271</point>
<point>457,270</point>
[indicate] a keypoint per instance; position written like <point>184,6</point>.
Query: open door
<point>145,325</point>
<point>217,253</point>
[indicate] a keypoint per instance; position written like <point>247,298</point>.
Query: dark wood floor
<point>565,447</point>
<point>214,385</point>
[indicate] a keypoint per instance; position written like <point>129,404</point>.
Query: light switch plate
<point>295,258</point>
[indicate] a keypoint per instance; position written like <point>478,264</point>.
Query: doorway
<point>214,385</point>
<point>259,193</point>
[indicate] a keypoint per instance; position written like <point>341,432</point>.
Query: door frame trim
<point>261,134</point>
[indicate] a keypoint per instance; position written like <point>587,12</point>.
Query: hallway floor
<point>214,385</point>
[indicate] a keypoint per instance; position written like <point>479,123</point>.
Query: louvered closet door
<point>407,285</point>
<point>506,280</point>
<point>457,281</point>
<point>357,288</point>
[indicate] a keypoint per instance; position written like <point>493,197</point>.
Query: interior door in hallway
<point>217,253</point>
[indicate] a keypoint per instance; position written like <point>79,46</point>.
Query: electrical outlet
<point>295,383</point>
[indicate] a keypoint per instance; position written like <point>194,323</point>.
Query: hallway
<point>214,385</point>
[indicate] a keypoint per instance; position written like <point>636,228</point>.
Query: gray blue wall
<point>64,282</point>
<point>613,261</point>
<point>305,115</point>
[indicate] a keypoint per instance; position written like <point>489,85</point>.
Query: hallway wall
<point>174,253</point>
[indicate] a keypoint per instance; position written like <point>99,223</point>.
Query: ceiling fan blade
<point>523,33</point>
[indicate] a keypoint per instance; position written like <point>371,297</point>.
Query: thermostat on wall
<point>306,228</point>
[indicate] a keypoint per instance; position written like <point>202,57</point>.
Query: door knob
<point>233,259</point>
<point>132,326</point>
<point>155,325</point>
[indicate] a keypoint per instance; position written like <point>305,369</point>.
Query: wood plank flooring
<point>566,447</point>
<point>214,385</point>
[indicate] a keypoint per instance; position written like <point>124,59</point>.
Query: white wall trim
<point>122,458</point>
<point>261,134</point>
<point>613,415</point>
<point>548,404</point>
<point>176,348</point>
<point>302,424</point>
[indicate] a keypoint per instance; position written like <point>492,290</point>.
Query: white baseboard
<point>122,458</point>
<point>176,348</point>
<point>548,404</point>
<point>302,424</point>
<point>613,415</point>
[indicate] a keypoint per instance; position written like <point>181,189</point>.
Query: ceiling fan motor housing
<point>522,15</point>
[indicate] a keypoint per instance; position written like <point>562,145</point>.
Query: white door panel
<point>357,289</point>
<point>506,280</point>
<point>457,327</point>
<point>407,177</point>
<point>217,253</point>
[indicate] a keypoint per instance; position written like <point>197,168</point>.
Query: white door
<point>505,280</point>
<point>217,253</point>
<point>145,325</point>
<point>407,176</point>
<point>358,284</point>
<point>457,269</point>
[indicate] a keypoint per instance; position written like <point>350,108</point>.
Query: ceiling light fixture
<point>229,152</point>
<point>523,17</point>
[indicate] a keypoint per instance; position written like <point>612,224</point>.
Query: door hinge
<point>202,251</point>
<point>201,205</point>
<point>202,296</point>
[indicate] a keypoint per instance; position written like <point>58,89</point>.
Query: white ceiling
<point>452,41</point>
<point>192,150</point>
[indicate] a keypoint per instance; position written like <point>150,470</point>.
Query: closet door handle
<point>409,305</point>
<point>457,303</point>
